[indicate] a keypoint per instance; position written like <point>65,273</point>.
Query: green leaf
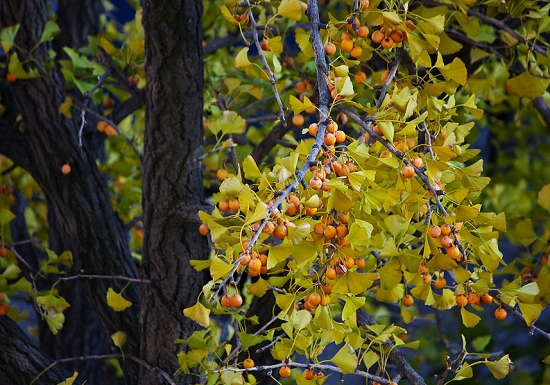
<point>543,197</point>
<point>387,129</point>
<point>351,306</point>
<point>258,288</point>
<point>480,343</point>
<point>345,359</point>
<point>251,170</point>
<point>370,358</point>
<point>259,213</point>
<point>531,312</point>
<point>198,313</point>
<point>7,36</point>
<point>231,187</point>
<point>469,319</point>
<point>119,339</point>
<point>6,216</point>
<point>527,85</point>
<point>70,380</point>
<point>248,340</point>
<point>11,272</point>
<point>300,319</point>
<point>464,372</point>
<point>219,269</point>
<point>291,9</point>
<point>50,31</point>
<point>500,368</point>
<point>456,71</point>
<point>54,322</point>
<point>116,301</point>
<point>51,301</point>
<point>297,106</point>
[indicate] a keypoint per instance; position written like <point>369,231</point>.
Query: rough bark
<point>172,180</point>
<point>79,202</point>
<point>21,361</point>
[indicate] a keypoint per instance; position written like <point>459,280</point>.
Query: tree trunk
<point>78,201</point>
<point>172,180</point>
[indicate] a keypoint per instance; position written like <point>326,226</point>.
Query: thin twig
<point>111,277</point>
<point>87,97</point>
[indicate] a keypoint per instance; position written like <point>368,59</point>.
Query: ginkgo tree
<point>342,188</point>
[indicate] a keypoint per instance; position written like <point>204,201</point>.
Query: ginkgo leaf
<point>469,319</point>
<point>7,36</point>
<point>54,322</point>
<point>198,313</point>
<point>456,70</point>
<point>345,359</point>
<point>70,380</point>
<point>65,107</point>
<point>500,368</point>
<point>116,301</point>
<point>291,9</point>
<point>531,312</point>
<point>219,269</point>
<point>6,216</point>
<point>527,85</point>
<point>119,339</point>
<point>50,31</point>
<point>543,197</point>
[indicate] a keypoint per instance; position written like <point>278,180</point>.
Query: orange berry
<point>4,307</point>
<point>255,264</point>
<point>236,300</point>
<point>11,77</point>
<point>204,230</point>
<point>108,103</point>
<point>319,228</point>
<point>434,231</point>
<point>248,363</point>
<point>385,75</point>
<point>347,45</point>
<point>344,218</point>
<point>233,204</point>
<point>110,130</point>
<point>285,371</point>
<point>360,77</point>
<point>341,230</point>
<point>223,206</point>
<point>312,129</point>
<point>222,174</point>
<point>330,49</point>
<point>417,162</point>
<point>3,252</point>
<point>486,299</point>
<point>314,299</point>
<point>66,169</point>
<point>310,211</point>
<point>410,25</point>
<point>457,225</point>
<point>397,36</point>
<point>473,298</point>
<point>298,120</point>
<point>440,283</point>
<point>360,263</point>
<point>349,262</point>
<point>325,301</point>
<point>309,374</point>
<point>268,228</point>
<point>445,229</point>
<point>264,45</point>
<point>330,231</point>
<point>500,313</point>
<point>346,36</point>
<point>101,126</point>
<point>461,300</point>
<point>332,127</point>
<point>356,52</point>
<point>315,183</point>
<point>408,300</point>
<point>363,31</point>
<point>326,287</point>
<point>340,136</point>
<point>426,278</point>
<point>353,20</point>
<point>453,252</point>
<point>329,139</point>
<point>300,86</point>
<point>446,241</point>
<point>377,36</point>
<point>387,43</point>
<point>411,142</point>
<point>386,154</point>
<point>330,273</point>
<point>226,301</point>
<point>423,269</point>
<point>134,79</point>
<point>280,231</point>
<point>246,259</point>
<point>407,171</point>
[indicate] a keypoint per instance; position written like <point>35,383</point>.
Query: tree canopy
<point>242,192</point>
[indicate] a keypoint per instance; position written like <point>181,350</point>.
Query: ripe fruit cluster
<point>257,263</point>
<point>234,300</point>
<point>387,38</point>
<point>105,127</point>
<point>4,307</point>
<point>446,235</point>
<point>230,206</point>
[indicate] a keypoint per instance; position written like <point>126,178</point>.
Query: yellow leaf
<point>116,301</point>
<point>469,319</point>
<point>500,368</point>
<point>455,71</point>
<point>119,339</point>
<point>70,380</point>
<point>291,9</point>
<point>527,85</point>
<point>198,313</point>
<point>65,107</point>
<point>543,198</point>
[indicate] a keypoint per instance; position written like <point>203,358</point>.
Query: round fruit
<point>4,307</point>
<point>422,269</point>
<point>486,299</point>
<point>410,25</point>
<point>233,204</point>
<point>223,206</point>
<point>360,77</point>
<point>101,126</point>
<point>248,363</point>
<point>110,130</point>
<point>407,171</point>
<point>11,77</point>
<point>360,263</point>
<point>385,75</point>
<point>434,231</point>
<point>255,264</point>
<point>314,299</point>
<point>3,252</point>
<point>461,300</point>
<point>453,252</point>
<point>340,136</point>
<point>330,232</point>
<point>349,262</point>
<point>330,49</point>
<point>353,20</point>
<point>285,371</point>
<point>417,162</point>
<point>331,273</point>
<point>386,154</point>
<point>108,103</point>
<point>397,36</point>
<point>226,301</point>
<point>408,300</point>
<point>264,45</point>
<point>341,230</point>
<point>327,288</point>
<point>298,120</point>
<point>440,283</point>
<point>377,36</point>
<point>387,43</point>
<point>339,168</point>
<point>473,298</point>
<point>310,211</point>
<point>309,374</point>
<point>66,169</point>
<point>446,241</point>
<point>236,300</point>
<point>356,52</point>
<point>204,230</point>
<point>332,127</point>
<point>300,87</point>
<point>500,313</point>
<point>329,139</point>
<point>445,229</point>
<point>222,174</point>
<point>347,45</point>
<point>280,231</point>
<point>426,278</point>
<point>246,259</point>
<point>134,79</point>
<point>457,225</point>
<point>363,31</point>
<point>315,183</point>
<point>312,129</point>
<point>344,218</point>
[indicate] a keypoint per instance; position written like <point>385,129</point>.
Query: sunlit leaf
<point>291,9</point>
<point>119,339</point>
<point>500,368</point>
<point>198,313</point>
<point>116,301</point>
<point>345,359</point>
<point>527,85</point>
<point>70,380</point>
<point>469,319</point>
